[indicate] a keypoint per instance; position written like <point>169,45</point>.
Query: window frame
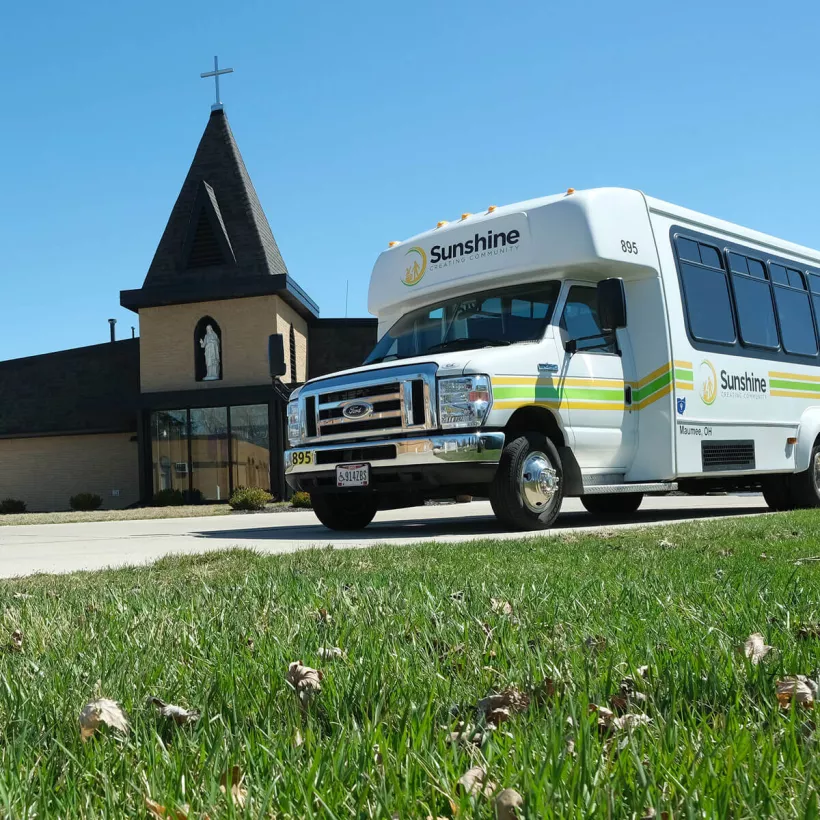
<point>769,286</point>
<point>807,268</point>
<point>558,315</point>
<point>696,340</point>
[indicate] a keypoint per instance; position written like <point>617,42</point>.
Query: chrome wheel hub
<point>538,482</point>
<point>816,473</point>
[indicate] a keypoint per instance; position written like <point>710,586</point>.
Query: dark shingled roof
<point>219,183</point>
<point>85,390</point>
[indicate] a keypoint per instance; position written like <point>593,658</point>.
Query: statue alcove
<point>208,350</point>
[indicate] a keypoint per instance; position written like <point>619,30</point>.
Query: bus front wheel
<point>338,511</point>
<point>616,505</point>
<point>528,487</point>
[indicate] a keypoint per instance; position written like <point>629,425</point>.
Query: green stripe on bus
<point>648,389</point>
<point>551,394</point>
<point>684,375</point>
<point>784,384</point>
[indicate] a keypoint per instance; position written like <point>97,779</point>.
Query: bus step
<point>648,487</point>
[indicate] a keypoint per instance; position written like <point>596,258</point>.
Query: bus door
<point>595,385</point>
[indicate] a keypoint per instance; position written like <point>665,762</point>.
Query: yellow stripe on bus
<point>683,365</point>
<point>796,394</point>
<point>684,386</point>
<point>514,404</point>
<point>664,368</point>
<point>664,391</point>
<point>793,377</point>
<point>529,381</point>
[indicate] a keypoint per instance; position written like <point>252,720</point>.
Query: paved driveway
<point>68,547</point>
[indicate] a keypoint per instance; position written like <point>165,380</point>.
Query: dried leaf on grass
<point>808,632</point>
<point>651,814</point>
<point>608,722</point>
<point>474,783</point>
<point>507,804</point>
<point>232,783</point>
<point>467,735</point>
<point>799,688</point>
<point>500,606</point>
<point>102,712</point>
<point>305,681</point>
<point>496,709</point>
<point>323,616</point>
<point>21,596</point>
<point>329,653</point>
<point>755,648</point>
<point>595,643</point>
<point>628,695</point>
<point>665,544</point>
<point>180,716</point>
<point>160,812</point>
<point>16,642</point>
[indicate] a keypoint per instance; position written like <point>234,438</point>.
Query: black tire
<point>615,505</point>
<point>777,492</point>
<point>513,498</point>
<point>805,486</point>
<point>344,511</point>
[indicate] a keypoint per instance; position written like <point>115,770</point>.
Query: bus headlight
<point>294,424</point>
<point>464,401</point>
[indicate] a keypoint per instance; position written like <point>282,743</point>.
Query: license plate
<point>352,475</point>
<point>301,457</point>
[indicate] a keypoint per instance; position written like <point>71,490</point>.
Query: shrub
<point>10,506</point>
<point>169,498</point>
<point>193,496</point>
<point>85,502</point>
<point>302,500</point>
<point>250,498</point>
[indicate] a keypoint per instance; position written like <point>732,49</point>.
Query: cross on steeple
<point>217,106</point>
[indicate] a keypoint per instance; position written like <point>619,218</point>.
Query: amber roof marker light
<point>570,191</point>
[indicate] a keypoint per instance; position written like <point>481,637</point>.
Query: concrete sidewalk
<point>69,547</point>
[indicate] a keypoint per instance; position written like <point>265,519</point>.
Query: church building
<point>190,404</point>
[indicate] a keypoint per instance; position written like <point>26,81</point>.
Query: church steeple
<point>217,243</point>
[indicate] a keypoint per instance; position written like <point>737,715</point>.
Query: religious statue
<point>210,344</point>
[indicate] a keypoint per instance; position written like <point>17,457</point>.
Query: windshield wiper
<point>384,358</point>
<point>464,342</point>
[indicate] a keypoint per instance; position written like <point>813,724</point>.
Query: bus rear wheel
<point>344,512</point>
<point>528,487</point>
<point>615,505</point>
<point>805,486</point>
<point>777,493</point>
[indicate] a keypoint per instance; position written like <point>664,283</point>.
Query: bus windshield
<point>501,316</point>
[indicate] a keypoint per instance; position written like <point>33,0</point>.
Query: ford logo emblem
<point>357,410</point>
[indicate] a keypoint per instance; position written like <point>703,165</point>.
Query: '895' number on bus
<point>629,247</point>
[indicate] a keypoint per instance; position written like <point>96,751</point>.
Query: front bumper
<point>427,462</point>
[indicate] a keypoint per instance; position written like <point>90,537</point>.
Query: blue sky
<point>362,122</point>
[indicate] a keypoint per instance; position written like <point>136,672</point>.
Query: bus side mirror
<point>276,355</point>
<point>611,304</point>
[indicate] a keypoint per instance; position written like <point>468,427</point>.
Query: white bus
<point>599,343</point>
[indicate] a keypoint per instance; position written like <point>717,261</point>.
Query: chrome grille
<point>370,403</point>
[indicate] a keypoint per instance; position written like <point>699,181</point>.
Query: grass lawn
<point>423,643</point>
<point>137,514</point>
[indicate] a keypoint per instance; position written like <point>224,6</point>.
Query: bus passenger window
<point>753,300</point>
<point>794,312</point>
<point>708,306</point>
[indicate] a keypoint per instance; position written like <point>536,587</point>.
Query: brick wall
<point>167,342</point>
<point>286,317</point>
<point>46,471</point>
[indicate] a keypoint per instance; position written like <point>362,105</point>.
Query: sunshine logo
<point>413,273</point>
<point>708,382</point>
